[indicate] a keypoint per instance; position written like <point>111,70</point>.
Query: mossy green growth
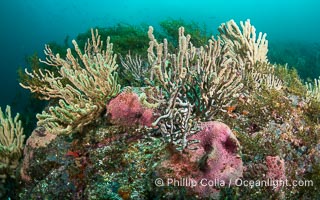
<point>199,34</point>
<point>302,55</point>
<point>291,79</point>
<point>312,191</point>
<point>313,111</point>
<point>124,37</point>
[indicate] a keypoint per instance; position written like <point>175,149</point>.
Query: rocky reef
<point>194,121</point>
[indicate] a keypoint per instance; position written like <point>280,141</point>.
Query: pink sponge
<point>221,147</point>
<point>127,110</point>
<point>215,162</point>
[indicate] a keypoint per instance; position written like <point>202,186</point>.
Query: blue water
<point>26,25</point>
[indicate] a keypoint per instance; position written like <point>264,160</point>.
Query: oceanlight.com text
<point>190,182</point>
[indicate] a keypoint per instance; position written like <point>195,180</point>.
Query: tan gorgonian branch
<point>207,78</point>
<point>198,83</point>
<point>244,42</point>
<point>82,83</point>
<point>252,51</point>
<point>11,142</point>
<point>135,67</point>
<point>313,90</point>
<point>213,72</point>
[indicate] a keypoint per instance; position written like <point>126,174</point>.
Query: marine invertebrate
<point>212,68</point>
<point>263,74</point>
<point>219,148</point>
<point>197,83</point>
<point>82,84</point>
<point>11,142</point>
<point>216,157</point>
<point>204,81</point>
<point>127,110</point>
<point>251,52</point>
<point>313,90</point>
<point>245,43</point>
<point>134,67</point>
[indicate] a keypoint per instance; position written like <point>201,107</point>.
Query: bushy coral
<point>82,85</point>
<point>11,143</point>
